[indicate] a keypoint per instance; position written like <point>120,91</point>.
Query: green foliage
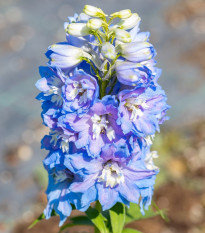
<point>112,220</point>
<point>117,217</point>
<point>97,219</point>
<point>133,213</point>
<point>77,221</point>
<point>129,230</point>
<point>42,216</point>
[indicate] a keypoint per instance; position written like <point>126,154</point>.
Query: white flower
<point>93,11</point>
<point>78,29</point>
<point>95,24</point>
<point>108,51</point>
<point>124,14</point>
<point>130,22</point>
<point>122,35</point>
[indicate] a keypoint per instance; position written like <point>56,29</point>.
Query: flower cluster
<point>103,105</point>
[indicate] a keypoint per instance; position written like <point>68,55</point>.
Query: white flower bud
<point>94,23</point>
<point>124,14</point>
<point>77,29</point>
<point>108,51</point>
<point>93,11</point>
<point>130,22</point>
<point>123,35</point>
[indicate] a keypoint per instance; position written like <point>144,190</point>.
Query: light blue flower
<point>133,74</point>
<point>58,192</point>
<point>79,93</point>
<point>112,177</point>
<point>141,109</point>
<point>95,128</point>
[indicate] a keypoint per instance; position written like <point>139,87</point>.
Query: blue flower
<point>79,93</point>
<point>102,104</point>
<point>96,128</point>
<point>112,177</point>
<point>141,110</point>
<point>133,74</point>
<point>58,192</point>
<point>50,84</point>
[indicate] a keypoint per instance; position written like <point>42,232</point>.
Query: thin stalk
<point>113,85</point>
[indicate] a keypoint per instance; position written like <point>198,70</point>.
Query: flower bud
<point>93,11</point>
<point>124,14</point>
<point>77,29</point>
<point>65,56</point>
<point>122,35</point>
<point>94,23</point>
<point>130,22</point>
<point>108,50</point>
<point>136,51</point>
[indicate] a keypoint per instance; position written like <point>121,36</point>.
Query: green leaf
<point>42,216</point>
<point>78,220</point>
<point>117,217</point>
<point>129,230</point>
<point>134,213</point>
<point>98,206</point>
<point>97,219</point>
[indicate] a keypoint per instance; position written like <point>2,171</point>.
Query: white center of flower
<point>64,143</point>
<point>101,125</point>
<point>149,139</point>
<point>136,106</point>
<point>149,160</point>
<point>55,90</point>
<point>78,90</point>
<point>111,174</point>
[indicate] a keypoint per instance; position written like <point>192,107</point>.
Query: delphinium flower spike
<point>103,105</point>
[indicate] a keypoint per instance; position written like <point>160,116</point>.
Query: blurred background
<point>177,29</point>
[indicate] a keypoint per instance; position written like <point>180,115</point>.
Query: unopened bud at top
<point>95,24</point>
<point>77,29</point>
<point>122,35</point>
<point>93,11</point>
<point>124,14</point>
<point>130,22</point>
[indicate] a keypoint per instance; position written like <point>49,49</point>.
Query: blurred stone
<point>25,152</point>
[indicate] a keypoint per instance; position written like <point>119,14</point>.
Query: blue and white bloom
<point>112,177</point>
<point>96,128</point>
<point>79,93</point>
<point>140,110</point>
<point>50,84</point>
<point>58,192</point>
<point>103,105</point>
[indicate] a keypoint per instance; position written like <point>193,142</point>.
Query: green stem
<point>113,85</point>
<point>103,88</point>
